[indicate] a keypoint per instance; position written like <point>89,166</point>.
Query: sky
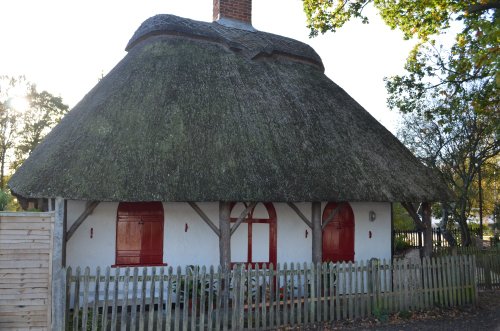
<point>66,46</point>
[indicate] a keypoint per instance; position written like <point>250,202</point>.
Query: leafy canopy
<point>449,93</point>
<point>471,62</point>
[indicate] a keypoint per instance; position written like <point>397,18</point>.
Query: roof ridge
<point>251,42</point>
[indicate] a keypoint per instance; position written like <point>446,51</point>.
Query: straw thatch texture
<point>200,112</point>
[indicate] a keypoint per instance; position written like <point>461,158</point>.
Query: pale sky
<point>64,46</point>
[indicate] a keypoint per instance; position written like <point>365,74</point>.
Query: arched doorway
<point>338,235</point>
<point>255,240</point>
<point>139,233</point>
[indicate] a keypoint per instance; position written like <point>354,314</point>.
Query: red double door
<point>139,233</point>
<point>338,235</point>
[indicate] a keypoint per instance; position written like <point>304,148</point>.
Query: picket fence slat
<point>95,314</point>
<point>133,310</point>
<point>114,306</point>
<point>76,301</point>
<point>177,299</point>
<point>210,299</point>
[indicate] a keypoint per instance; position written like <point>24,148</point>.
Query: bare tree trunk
<point>462,221</point>
<point>427,223</point>
<point>423,223</point>
<point>443,226</point>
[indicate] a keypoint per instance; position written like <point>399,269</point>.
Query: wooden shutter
<point>139,233</point>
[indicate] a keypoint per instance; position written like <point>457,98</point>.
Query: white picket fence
<point>240,298</point>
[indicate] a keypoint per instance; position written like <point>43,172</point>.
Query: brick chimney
<point>233,10</point>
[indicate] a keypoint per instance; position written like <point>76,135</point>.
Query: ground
<point>486,316</point>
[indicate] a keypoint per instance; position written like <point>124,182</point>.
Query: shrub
<point>5,199</point>
<point>400,244</point>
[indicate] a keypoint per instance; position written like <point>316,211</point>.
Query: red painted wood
<point>139,233</point>
<point>338,235</point>
<point>273,235</point>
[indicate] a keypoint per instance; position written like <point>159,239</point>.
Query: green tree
<point>10,87</point>
<point>402,221</point>
<point>458,145</point>
<point>470,65</point>
<point>26,116</point>
<point>5,199</point>
<point>43,113</point>
<point>450,93</point>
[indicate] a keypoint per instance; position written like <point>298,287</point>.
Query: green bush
<point>5,199</point>
<point>400,244</point>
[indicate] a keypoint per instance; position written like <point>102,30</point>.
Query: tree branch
<point>481,7</point>
<point>414,215</point>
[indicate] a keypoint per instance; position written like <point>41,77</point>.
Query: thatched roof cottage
<point>216,143</point>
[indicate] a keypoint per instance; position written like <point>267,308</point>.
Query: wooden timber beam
<point>88,210</point>
<point>317,233</point>
<point>302,216</point>
<point>332,215</point>
<point>64,232</point>
<point>225,234</point>
<point>242,216</point>
<point>204,217</point>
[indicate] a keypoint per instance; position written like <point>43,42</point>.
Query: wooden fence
<point>487,264</point>
<point>238,299</point>
<point>25,270</point>
<point>415,238</point>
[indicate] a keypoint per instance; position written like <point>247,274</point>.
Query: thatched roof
<point>201,112</point>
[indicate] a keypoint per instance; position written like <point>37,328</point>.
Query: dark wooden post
<point>426,220</point>
<point>393,237</point>
<point>225,234</point>
<point>439,239</point>
<point>65,226</point>
<point>317,233</point>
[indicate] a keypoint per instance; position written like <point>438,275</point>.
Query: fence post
<point>58,280</point>
<point>439,237</point>
<point>485,262</point>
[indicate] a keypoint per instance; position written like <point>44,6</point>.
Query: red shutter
<point>139,233</point>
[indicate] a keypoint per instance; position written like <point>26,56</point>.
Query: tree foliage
<point>449,91</point>
<point>10,87</point>
<point>459,146</point>
<point>401,219</point>
<point>44,112</point>
<point>470,65</point>
<point>21,130</point>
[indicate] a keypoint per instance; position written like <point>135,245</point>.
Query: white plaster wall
<point>293,246</point>
<point>200,246</point>
<point>83,251</point>
<point>379,245</point>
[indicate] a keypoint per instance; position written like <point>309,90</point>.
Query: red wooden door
<point>338,235</point>
<point>139,233</point>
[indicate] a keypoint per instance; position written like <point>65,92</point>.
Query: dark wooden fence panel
<point>415,238</point>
